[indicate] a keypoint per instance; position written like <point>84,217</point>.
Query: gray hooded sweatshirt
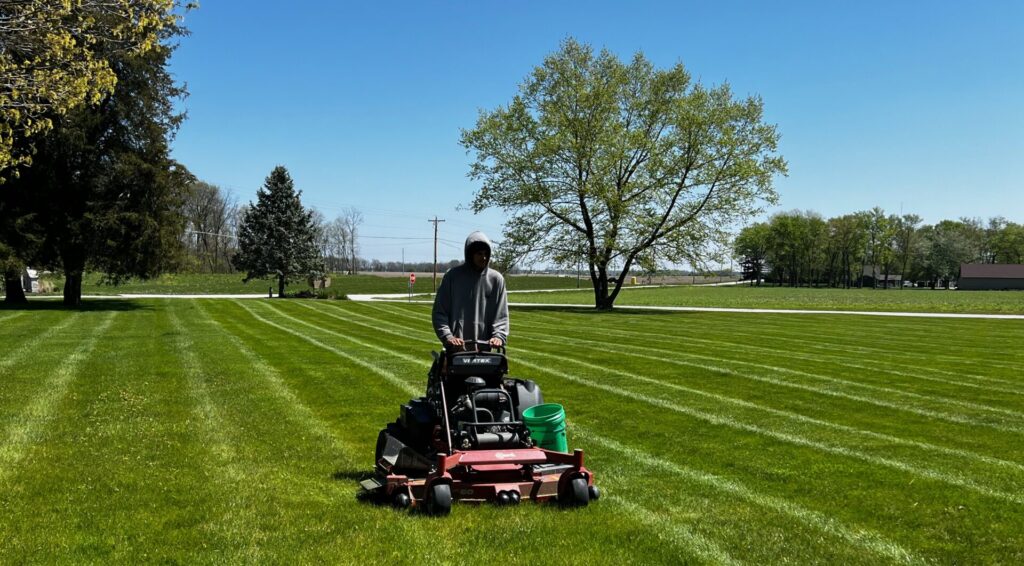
<point>471,304</point>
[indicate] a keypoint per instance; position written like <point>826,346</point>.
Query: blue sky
<point>906,104</point>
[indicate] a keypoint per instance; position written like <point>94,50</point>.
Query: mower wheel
<point>595,493</point>
<point>576,495</point>
<point>439,499</point>
<point>504,498</point>
<point>401,501</point>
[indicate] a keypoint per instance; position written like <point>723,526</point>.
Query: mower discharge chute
<point>465,440</point>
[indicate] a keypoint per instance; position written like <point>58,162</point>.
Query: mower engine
<point>487,407</point>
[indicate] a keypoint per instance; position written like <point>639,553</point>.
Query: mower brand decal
<point>504,455</point>
<point>466,492</point>
<point>487,361</point>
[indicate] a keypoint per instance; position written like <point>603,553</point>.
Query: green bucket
<point>547,426</point>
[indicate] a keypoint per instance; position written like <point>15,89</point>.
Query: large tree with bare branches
<point>600,161</point>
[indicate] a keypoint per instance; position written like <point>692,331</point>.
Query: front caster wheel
<point>439,499</point>
<point>401,501</point>
<point>576,494</point>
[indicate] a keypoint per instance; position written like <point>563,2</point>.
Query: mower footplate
<point>499,476</point>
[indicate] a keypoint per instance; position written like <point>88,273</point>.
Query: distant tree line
<point>801,248</point>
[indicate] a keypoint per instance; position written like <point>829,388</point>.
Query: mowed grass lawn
<point>743,296</point>
<point>220,431</point>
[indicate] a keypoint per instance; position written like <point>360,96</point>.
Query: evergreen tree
<point>277,235</point>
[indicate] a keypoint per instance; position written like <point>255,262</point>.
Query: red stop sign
<point>412,278</point>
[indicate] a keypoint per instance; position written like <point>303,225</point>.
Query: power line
<point>394,238</point>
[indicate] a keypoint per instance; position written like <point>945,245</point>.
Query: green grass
<point>235,431</point>
<point>341,284</point>
<point>739,296</point>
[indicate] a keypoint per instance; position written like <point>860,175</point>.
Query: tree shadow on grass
<point>591,311</point>
<point>88,305</point>
<point>351,475</point>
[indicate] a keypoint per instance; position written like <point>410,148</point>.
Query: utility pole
<point>435,221</point>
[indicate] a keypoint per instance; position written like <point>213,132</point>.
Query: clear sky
<point>912,104</point>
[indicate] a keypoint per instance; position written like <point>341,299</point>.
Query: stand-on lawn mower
<point>466,440</point>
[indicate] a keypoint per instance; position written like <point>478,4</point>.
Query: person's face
<point>480,259</point>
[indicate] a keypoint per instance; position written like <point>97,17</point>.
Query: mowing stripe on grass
<point>818,377</point>
<point>786,437</point>
<point>300,412</point>
<point>653,330</point>
<point>939,399</point>
<point>693,541</point>
<point>965,454</point>
<point>704,548</point>
<point>895,344</point>
<point>940,415</point>
<point>632,351</point>
<point>11,316</point>
<point>390,377</point>
<point>32,421</point>
<point>36,341</point>
<point>235,482</point>
<point>838,360</point>
<point>849,343</point>
<point>931,357</point>
<point>846,340</point>
<point>862,539</point>
<point>717,419</point>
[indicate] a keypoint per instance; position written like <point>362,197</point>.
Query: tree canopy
<point>105,194</point>
<point>600,161</point>
<point>277,236</point>
<point>56,55</point>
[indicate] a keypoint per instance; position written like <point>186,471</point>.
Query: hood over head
<point>476,240</point>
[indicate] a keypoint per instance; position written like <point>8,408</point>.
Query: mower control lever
<point>480,346</point>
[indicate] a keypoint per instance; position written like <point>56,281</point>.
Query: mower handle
<point>486,343</point>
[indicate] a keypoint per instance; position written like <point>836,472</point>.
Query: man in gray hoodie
<point>471,303</point>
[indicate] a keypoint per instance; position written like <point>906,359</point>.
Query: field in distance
<point>236,431</point>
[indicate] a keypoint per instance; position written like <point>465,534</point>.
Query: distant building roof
<point>992,270</point>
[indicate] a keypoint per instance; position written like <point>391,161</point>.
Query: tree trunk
<point>600,280</point>
<point>280,286</point>
<point>74,267</point>
<point>12,282</point>
<point>601,293</point>
<point>73,289</point>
